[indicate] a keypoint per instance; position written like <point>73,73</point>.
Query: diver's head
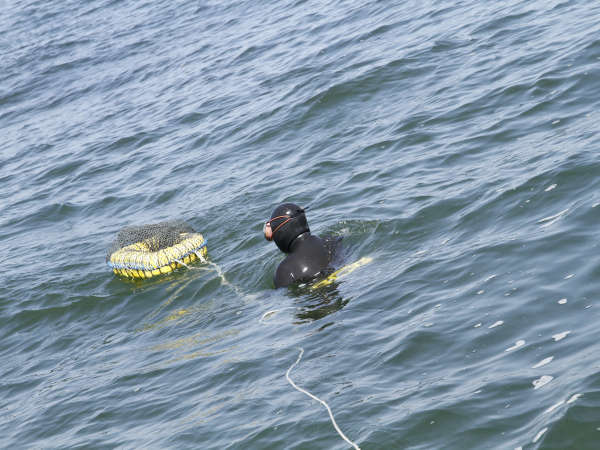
<point>286,223</point>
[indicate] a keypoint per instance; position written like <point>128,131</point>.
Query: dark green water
<point>456,144</point>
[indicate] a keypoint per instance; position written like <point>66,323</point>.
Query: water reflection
<point>315,304</point>
<point>321,298</point>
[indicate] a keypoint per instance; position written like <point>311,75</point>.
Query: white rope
<point>200,256</point>
<point>224,280</point>
<point>335,425</point>
<point>180,261</point>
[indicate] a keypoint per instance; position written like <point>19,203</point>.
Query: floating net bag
<point>148,250</point>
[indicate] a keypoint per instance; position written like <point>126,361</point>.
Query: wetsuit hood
<point>288,221</point>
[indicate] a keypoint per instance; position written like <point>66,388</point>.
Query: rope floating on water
<point>335,425</point>
<point>226,282</point>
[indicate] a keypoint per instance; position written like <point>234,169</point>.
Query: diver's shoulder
<point>284,275</point>
<point>314,240</point>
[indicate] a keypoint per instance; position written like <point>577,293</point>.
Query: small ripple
<point>539,435</point>
<point>543,362</point>
<point>520,343</point>
<point>560,336</point>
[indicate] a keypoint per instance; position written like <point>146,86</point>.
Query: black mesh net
<point>156,236</point>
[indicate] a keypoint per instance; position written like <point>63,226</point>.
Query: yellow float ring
<point>138,261</point>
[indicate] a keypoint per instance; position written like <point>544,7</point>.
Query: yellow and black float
<point>146,251</point>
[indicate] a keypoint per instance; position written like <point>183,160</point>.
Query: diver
<point>308,256</point>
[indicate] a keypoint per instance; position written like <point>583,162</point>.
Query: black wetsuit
<point>309,257</point>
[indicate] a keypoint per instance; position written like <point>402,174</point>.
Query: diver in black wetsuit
<point>308,256</point>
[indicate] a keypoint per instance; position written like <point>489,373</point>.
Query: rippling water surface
<point>454,143</point>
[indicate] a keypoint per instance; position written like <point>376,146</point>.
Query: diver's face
<point>268,232</point>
